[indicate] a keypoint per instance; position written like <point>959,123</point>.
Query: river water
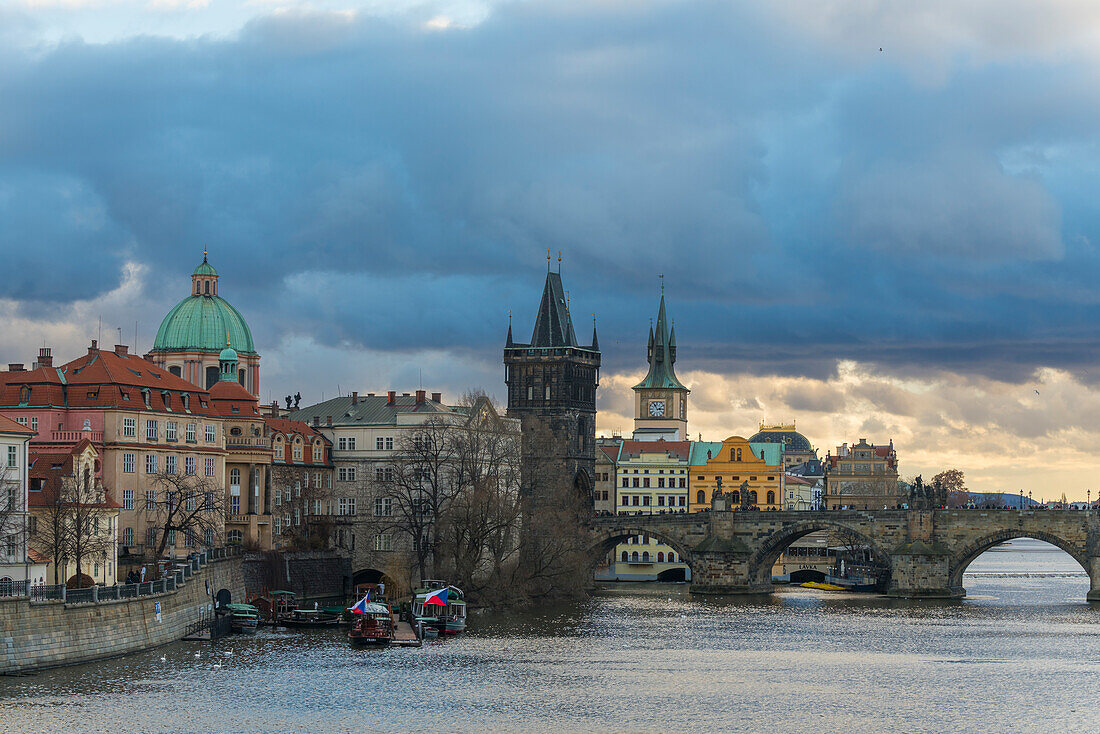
<point>1019,654</point>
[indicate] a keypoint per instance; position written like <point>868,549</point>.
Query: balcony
<point>76,436</point>
<point>248,441</point>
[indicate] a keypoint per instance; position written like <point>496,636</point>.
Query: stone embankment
<point>46,634</point>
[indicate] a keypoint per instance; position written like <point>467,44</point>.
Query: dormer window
<point>25,395</point>
<point>145,395</point>
<point>167,398</point>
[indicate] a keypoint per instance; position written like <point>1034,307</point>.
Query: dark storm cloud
<point>371,183</point>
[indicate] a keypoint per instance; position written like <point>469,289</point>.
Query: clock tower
<point>660,400</point>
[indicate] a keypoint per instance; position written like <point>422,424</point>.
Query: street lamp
<point>1021,500</point>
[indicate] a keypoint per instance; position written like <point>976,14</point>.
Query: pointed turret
<point>553,327</point>
<point>509,343</point>
<point>595,339</point>
<point>662,354</point>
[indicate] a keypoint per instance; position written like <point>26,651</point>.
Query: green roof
<point>203,323</point>
<point>662,355</point>
<point>771,453</point>
<point>205,268</point>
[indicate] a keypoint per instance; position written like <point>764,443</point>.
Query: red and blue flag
<point>439,598</point>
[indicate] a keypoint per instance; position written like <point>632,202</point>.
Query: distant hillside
<point>1000,499</point>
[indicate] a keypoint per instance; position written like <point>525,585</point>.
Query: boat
<point>243,617</point>
<point>823,587</point>
<point>372,625</point>
<point>273,604</point>
<point>427,613</point>
<point>311,618</point>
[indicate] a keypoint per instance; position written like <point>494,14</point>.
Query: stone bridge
<point>927,551</point>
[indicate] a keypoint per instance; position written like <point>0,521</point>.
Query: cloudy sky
<point>874,217</point>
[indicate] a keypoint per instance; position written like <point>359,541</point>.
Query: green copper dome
<point>203,323</point>
<point>205,268</point>
<point>227,355</point>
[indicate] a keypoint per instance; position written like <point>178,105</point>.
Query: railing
<point>176,578</point>
<point>74,436</point>
<point>258,441</point>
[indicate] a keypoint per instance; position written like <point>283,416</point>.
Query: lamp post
<point>1029,498</point>
<point>1021,500</point>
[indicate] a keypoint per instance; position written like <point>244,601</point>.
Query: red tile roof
<point>52,468</point>
<point>103,379</point>
<point>7,425</point>
<point>232,399</point>
<point>675,449</point>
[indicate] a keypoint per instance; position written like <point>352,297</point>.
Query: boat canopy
<point>375,609</point>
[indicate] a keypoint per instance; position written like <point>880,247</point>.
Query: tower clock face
<point>656,408</point>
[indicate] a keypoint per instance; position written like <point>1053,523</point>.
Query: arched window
<point>634,556</point>
<point>771,497</point>
<point>700,497</point>
<point>625,556</point>
<point>752,497</point>
<point>207,287</point>
<point>87,478</point>
<point>671,557</point>
<point>176,370</point>
<point>660,557</point>
<point>234,537</point>
<point>645,557</point>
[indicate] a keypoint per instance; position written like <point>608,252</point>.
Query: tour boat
<point>243,617</point>
<point>438,606</point>
<point>326,617</point>
<point>372,624</point>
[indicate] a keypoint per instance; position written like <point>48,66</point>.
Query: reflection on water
<point>1019,654</point>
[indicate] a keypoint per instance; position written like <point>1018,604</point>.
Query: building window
<point>383,507</point>
<point>671,557</point>
<point>150,463</point>
<point>189,503</point>
<point>346,474</point>
<point>150,499</point>
<point>189,466</point>
<point>297,452</point>
<point>150,430</point>
<point>234,537</point>
<point>208,537</point>
<point>129,427</point>
<point>279,497</point>
<point>235,504</point>
<point>128,463</point>
<point>170,430</point>
<point>210,434</point>
<point>235,477</point>
<point>626,482</point>
<point>170,464</point>
<point>190,433</point>
<point>383,542</point>
<point>346,443</point>
<point>151,537</point>
<point>625,556</point>
<point>645,481</point>
<point>128,501</point>
<point>211,466</point>
<point>13,456</point>
<point>128,536</point>
<point>297,516</point>
<point>771,497</point>
<point>700,497</point>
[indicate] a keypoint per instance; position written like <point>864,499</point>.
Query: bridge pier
<point>724,573</point>
<point>922,570</point>
<point>1094,578</point>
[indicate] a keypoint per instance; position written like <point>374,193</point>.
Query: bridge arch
<point>962,559</point>
<point>606,540</point>
<point>769,550</point>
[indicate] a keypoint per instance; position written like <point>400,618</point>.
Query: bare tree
<point>310,529</point>
<point>953,483</point>
<point>418,484</point>
<point>186,504</point>
<point>13,513</point>
<point>72,525</point>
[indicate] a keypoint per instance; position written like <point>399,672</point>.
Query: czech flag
<point>438,598</point>
<point>361,607</point>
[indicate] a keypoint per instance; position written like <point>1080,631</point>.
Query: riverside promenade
<point>86,625</point>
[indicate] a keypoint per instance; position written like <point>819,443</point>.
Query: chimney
<point>121,350</point>
<point>437,397</point>
<point>370,395</point>
<point>419,397</point>
<point>354,397</point>
<point>45,357</point>
<point>316,420</point>
<point>328,420</point>
<point>15,367</point>
<point>406,394</point>
<point>94,347</point>
<point>390,396</point>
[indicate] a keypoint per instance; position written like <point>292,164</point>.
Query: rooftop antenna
<point>662,277</point>
<point>548,259</point>
<point>559,262</point>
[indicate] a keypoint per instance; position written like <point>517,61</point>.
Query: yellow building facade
<point>751,472</point>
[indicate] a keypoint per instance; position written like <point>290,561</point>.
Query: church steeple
<point>661,355</point>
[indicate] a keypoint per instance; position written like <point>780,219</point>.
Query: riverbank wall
<point>322,576</point>
<point>46,634</point>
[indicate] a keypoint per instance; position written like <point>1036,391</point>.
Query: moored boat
<point>243,617</point>
<point>311,618</point>
<point>372,625</point>
<point>439,607</point>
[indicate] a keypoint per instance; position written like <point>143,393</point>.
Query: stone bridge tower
<point>554,379</point>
